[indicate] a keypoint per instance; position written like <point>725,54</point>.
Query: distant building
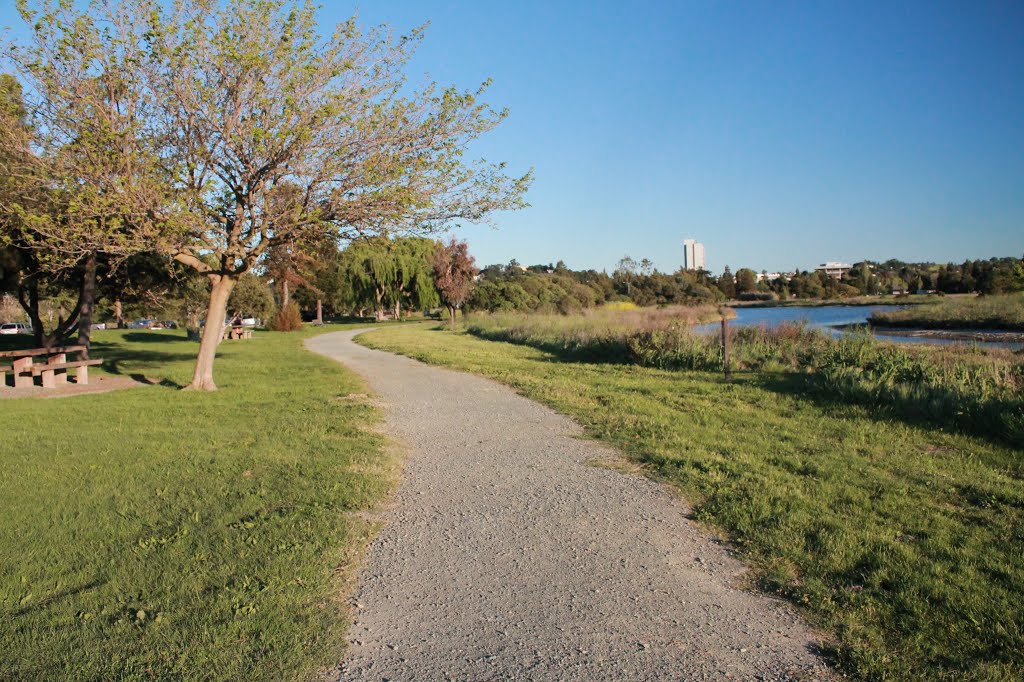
<point>693,255</point>
<point>768,276</point>
<point>834,270</point>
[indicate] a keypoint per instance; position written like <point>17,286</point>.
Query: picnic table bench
<point>236,332</point>
<point>52,373</point>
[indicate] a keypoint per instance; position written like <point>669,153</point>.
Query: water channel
<point>830,317</point>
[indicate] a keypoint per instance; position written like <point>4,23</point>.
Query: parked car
<point>100,325</point>
<point>146,324</point>
<point>169,324</point>
<point>15,328</point>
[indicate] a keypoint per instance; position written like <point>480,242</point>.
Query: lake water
<point>828,317</point>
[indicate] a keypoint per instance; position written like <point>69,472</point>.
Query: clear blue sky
<point>779,134</point>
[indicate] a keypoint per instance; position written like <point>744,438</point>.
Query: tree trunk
<point>88,305</point>
<point>286,294</point>
<point>202,379</point>
<point>451,311</point>
<point>118,315</point>
<point>31,307</point>
<point>398,310</point>
<point>319,311</point>
<point>28,297</point>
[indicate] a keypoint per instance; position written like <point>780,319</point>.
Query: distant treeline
<point>556,288</point>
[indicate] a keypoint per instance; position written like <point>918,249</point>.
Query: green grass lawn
<point>902,541</point>
<point>153,533</point>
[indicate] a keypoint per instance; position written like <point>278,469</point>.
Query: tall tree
<point>269,133</point>
<point>727,284</point>
<point>454,270</point>
<point>369,269</point>
<point>393,274</point>
<point>90,159</point>
<point>27,198</point>
<point>746,281</point>
<point>414,286</point>
<point>626,272</point>
<point>281,133</point>
<point>251,297</point>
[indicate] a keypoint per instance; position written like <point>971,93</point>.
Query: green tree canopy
<point>263,130</point>
<point>251,297</point>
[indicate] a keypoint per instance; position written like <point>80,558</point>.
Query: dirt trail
<point>507,556</point>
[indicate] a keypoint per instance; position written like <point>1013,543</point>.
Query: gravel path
<point>508,557</point>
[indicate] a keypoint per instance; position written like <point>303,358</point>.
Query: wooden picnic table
<point>237,331</point>
<point>52,373</point>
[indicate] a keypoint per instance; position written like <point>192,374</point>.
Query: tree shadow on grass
<point>56,596</point>
<point>149,381</point>
<point>128,361</point>
<point>16,342</point>
<point>114,362</point>
<point>155,336</point>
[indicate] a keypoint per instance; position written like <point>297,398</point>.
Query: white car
<point>15,328</point>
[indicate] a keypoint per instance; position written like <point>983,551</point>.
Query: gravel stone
<point>506,556</point>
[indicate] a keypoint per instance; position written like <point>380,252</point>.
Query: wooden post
<point>725,348</point>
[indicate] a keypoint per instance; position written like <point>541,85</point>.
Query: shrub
<point>288,319</point>
<point>619,305</point>
<point>758,296</point>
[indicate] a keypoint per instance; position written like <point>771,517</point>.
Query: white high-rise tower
<point>693,255</point>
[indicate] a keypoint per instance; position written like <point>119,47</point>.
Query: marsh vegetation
<point>1005,312</point>
<point>972,389</point>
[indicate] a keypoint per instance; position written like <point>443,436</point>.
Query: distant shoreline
<point>858,301</point>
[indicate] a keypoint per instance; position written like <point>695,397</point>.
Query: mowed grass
<point>154,533</point>
<point>904,543</point>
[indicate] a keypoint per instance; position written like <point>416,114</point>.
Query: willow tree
<point>388,274</point>
<point>278,133</point>
<point>414,287</point>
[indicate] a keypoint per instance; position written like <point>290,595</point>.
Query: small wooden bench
<point>56,373</point>
<point>237,332</point>
<point>52,373</point>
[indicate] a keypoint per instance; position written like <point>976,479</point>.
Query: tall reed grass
<point>984,312</point>
<point>959,387</point>
<point>601,335</point>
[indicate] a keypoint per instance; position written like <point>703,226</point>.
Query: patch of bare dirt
<point>101,384</point>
